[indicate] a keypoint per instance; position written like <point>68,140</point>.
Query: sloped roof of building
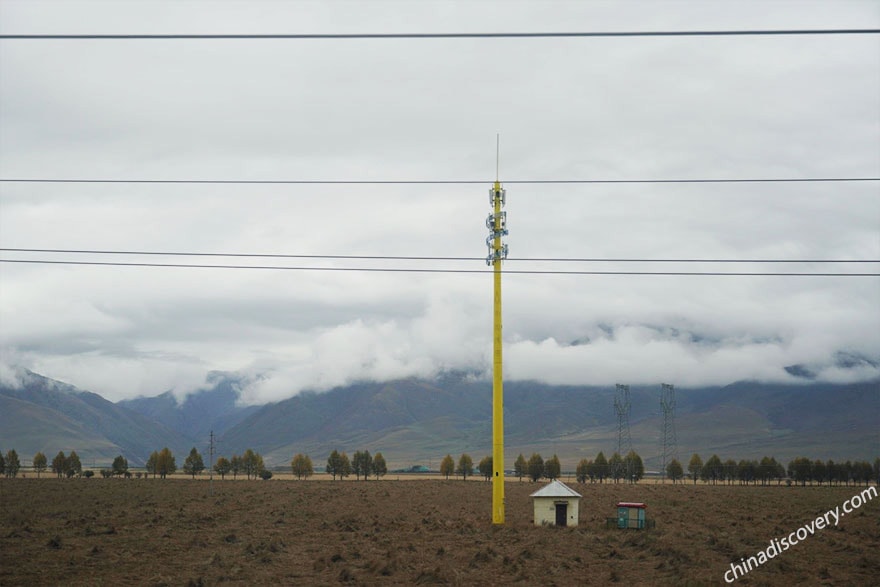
<point>556,488</point>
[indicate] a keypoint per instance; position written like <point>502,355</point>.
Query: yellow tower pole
<point>497,381</point>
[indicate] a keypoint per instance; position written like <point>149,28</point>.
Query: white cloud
<point>565,108</point>
<point>11,374</point>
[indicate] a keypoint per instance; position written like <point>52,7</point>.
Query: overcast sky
<point>429,109</point>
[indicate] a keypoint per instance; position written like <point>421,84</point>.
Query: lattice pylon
<point>668,440</point>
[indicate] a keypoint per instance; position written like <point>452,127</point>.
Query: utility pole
<point>211,466</point>
<point>497,225</point>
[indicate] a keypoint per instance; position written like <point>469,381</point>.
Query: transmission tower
<point>669,449</point>
<point>622,407</point>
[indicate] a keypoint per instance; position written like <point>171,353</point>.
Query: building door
<point>561,514</point>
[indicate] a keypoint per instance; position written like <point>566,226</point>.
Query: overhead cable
<point>425,258</point>
<point>373,36</point>
<point>433,270</point>
<point>439,181</point>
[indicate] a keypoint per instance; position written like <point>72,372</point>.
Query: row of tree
<point>800,470</point>
<point>163,463</point>
<point>362,464</point>
<point>465,466</point>
<point>535,468</point>
<point>250,464</point>
<point>629,468</point>
<point>63,466</point>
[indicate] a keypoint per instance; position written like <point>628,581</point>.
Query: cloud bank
<point>565,108</point>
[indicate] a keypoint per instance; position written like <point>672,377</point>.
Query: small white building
<point>556,504</point>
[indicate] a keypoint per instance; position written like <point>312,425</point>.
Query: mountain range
<point>418,421</point>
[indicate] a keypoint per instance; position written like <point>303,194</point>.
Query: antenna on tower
<point>668,441</point>
<point>622,408</point>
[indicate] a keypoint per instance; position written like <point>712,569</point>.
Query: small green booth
<point>631,514</point>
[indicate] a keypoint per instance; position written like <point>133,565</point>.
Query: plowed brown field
<point>281,532</point>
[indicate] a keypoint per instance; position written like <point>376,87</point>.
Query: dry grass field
<point>281,532</point>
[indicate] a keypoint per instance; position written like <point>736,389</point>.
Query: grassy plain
<point>172,532</point>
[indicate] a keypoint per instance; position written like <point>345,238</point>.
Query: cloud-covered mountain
<point>213,408</point>
<point>417,421</point>
<point>41,414</point>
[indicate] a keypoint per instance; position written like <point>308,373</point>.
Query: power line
<point>246,255</point>
<point>432,270</point>
<point>695,260</point>
<point>372,36</point>
<point>426,258</point>
<point>439,181</point>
